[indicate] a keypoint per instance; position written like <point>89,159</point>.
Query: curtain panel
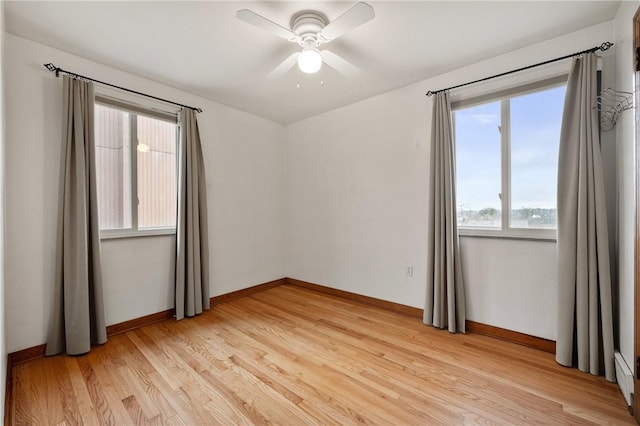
<point>585,325</point>
<point>78,312</point>
<point>445,300</point>
<point>192,234</point>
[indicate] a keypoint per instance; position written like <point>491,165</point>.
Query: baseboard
<point>24,355</point>
<point>35,352</point>
<point>471,326</point>
<point>372,301</point>
<point>223,298</point>
<point>511,336</point>
<point>132,324</point>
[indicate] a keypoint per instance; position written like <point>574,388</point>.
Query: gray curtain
<point>78,314</point>
<point>445,301</point>
<point>192,247</point>
<point>585,328</point>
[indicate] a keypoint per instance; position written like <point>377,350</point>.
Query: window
<point>136,168</point>
<point>507,161</point>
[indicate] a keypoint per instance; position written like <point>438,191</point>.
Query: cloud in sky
<point>535,132</point>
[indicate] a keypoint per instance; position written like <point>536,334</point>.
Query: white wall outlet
<point>410,270</point>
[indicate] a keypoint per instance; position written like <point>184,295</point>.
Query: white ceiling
<point>202,48</point>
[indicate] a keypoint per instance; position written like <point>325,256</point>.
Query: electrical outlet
<point>410,270</point>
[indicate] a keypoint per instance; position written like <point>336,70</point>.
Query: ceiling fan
<point>310,29</point>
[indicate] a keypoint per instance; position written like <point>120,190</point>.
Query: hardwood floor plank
<point>86,409</point>
<point>96,391</point>
<point>265,379</point>
<point>64,388</point>
<point>229,411</point>
<point>289,355</point>
<point>149,396</point>
<point>113,386</point>
<point>136,413</point>
<point>147,346</point>
<point>177,399</point>
<point>138,388</point>
<point>26,408</point>
<point>18,404</point>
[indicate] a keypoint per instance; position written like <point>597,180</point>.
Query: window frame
<point>134,111</point>
<point>504,96</point>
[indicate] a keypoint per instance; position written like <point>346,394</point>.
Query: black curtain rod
<point>604,46</point>
<point>58,70</point>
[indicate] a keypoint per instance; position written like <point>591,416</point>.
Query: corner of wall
<point>285,201</point>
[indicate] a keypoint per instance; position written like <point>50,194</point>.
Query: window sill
<point>127,233</point>
<point>543,235</point>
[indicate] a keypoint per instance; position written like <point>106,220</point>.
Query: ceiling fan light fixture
<point>310,60</point>
<point>310,29</point>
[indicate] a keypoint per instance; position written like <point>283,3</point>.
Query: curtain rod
<point>58,70</point>
<point>604,46</point>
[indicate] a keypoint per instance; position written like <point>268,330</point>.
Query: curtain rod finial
<point>430,93</point>
<point>606,46</point>
<point>53,68</point>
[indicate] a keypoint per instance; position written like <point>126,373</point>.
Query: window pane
<point>113,167</point>
<point>157,188</point>
<point>478,165</point>
<point>535,136</point>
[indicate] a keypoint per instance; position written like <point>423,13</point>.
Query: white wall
<point>3,338</point>
<point>357,194</point>
<point>625,141</point>
<point>244,166</point>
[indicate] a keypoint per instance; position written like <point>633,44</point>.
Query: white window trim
<point>510,233</point>
<point>134,110</point>
<point>110,234</point>
<point>504,96</point>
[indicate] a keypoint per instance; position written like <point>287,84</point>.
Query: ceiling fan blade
<point>340,64</point>
<point>284,66</point>
<point>259,21</point>
<point>352,18</point>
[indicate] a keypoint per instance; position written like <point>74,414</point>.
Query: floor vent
<point>624,377</point>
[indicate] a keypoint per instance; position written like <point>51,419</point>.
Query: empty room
<point>319,212</point>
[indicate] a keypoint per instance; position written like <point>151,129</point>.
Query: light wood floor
<point>292,356</point>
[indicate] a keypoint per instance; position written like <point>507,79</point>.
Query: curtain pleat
<point>445,299</point>
<point>585,321</point>
<point>78,313</point>
<point>192,247</point>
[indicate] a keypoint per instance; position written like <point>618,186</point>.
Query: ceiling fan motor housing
<point>307,25</point>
